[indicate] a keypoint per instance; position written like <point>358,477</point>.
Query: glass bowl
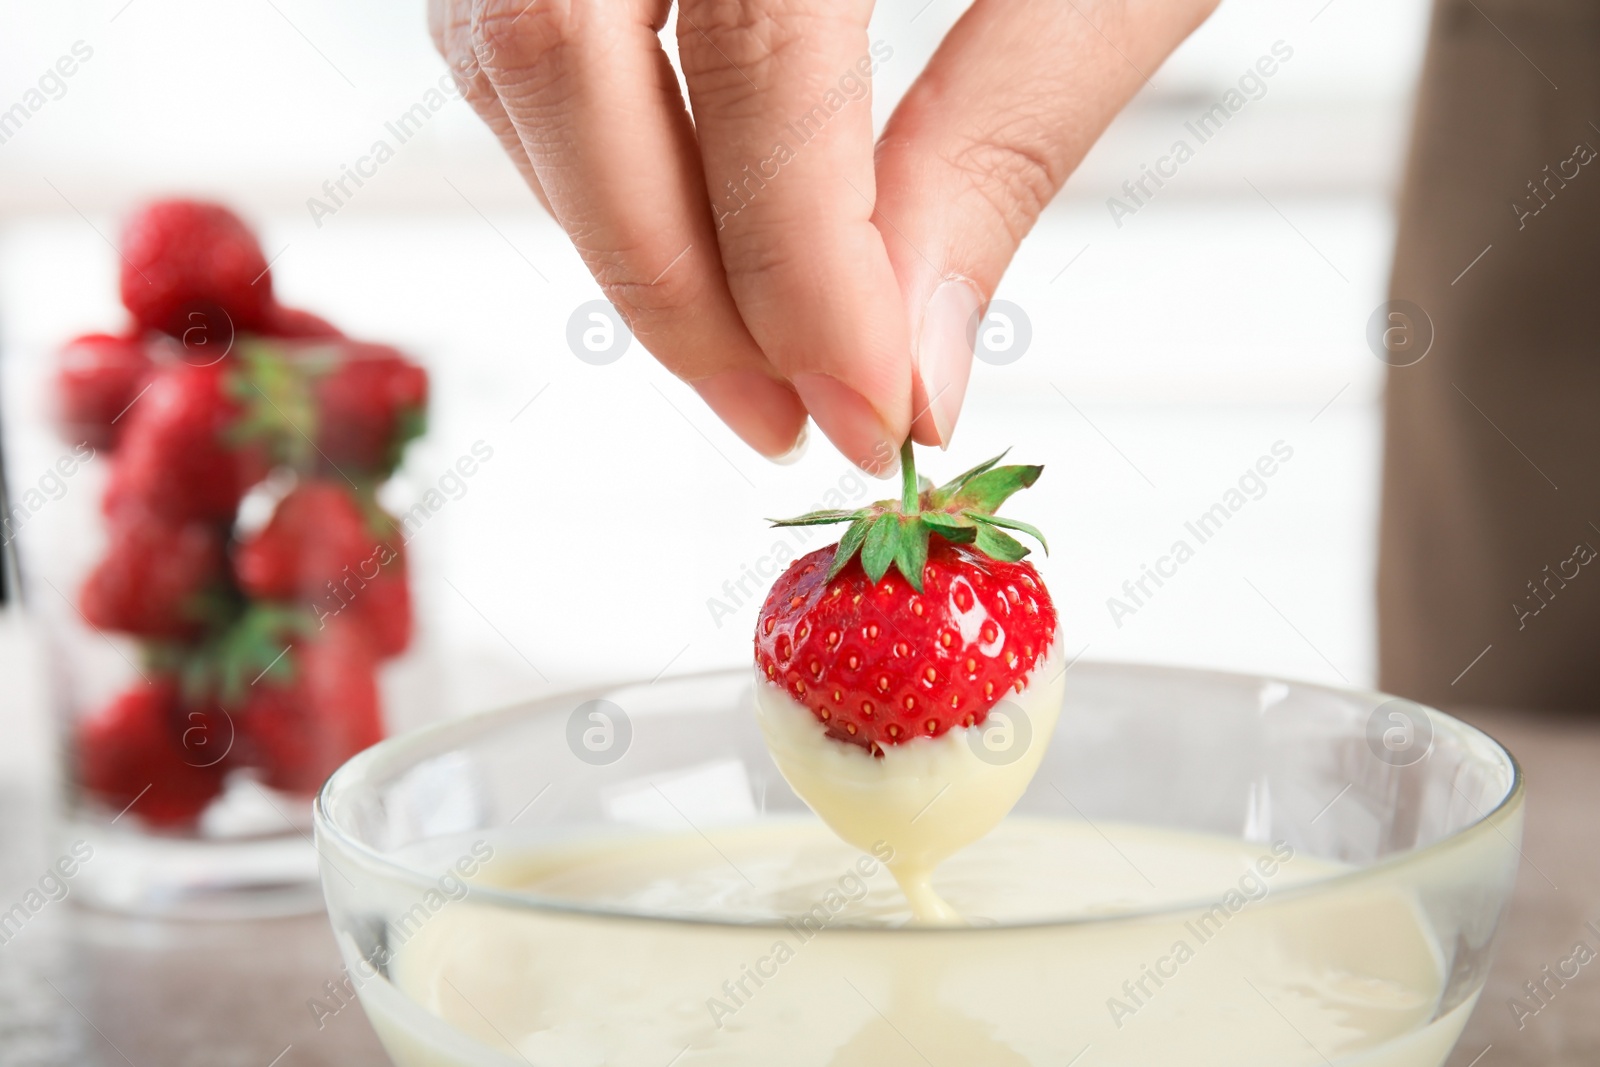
<point>1207,868</point>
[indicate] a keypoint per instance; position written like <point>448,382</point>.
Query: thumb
<point>985,138</point>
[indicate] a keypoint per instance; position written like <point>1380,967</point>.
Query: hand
<point>760,250</point>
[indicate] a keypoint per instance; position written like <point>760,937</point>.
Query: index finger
<point>593,100</point>
<point>782,102</point>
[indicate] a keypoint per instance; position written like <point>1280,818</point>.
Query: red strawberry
<point>382,606</point>
<point>882,657</point>
<point>176,456</point>
<point>304,719</point>
<point>294,323</point>
<point>189,266</point>
<point>325,549</point>
<point>368,406</point>
<point>133,752</point>
<point>97,377</point>
<point>155,576</point>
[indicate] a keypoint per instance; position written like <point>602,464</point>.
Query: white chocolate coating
<point>928,797</point>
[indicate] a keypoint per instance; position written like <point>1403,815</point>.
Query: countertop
<point>86,989</point>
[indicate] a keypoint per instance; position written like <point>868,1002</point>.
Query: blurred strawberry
<point>156,576</point>
<point>177,455</point>
<point>301,721</point>
<point>383,608</point>
<point>330,404</point>
<point>317,529</point>
<point>337,553</point>
<point>369,404</point>
<point>133,752</point>
<point>195,271</point>
<point>97,377</point>
<point>295,323</point>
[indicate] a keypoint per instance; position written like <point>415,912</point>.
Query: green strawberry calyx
<point>275,393</point>
<point>275,386</point>
<point>962,511</point>
<point>254,648</point>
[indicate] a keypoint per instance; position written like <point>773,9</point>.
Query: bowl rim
<point>475,724</point>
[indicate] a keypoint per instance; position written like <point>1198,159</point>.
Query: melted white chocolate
<point>926,798</point>
<point>800,965</point>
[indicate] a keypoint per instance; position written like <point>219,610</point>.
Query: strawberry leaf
<point>278,409</point>
<point>848,545</point>
<point>896,533</point>
<point>944,522</point>
<point>957,529</point>
<point>878,549</point>
<point>987,491</point>
<point>992,542</point>
<point>412,424</point>
<point>256,651</point>
<point>911,549</point>
<point>953,486</point>
<point>1014,524</point>
<point>819,518</point>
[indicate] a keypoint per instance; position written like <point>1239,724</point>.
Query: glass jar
<point>222,601</point>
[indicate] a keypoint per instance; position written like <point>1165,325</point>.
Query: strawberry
<point>133,752</point>
<point>314,710</point>
<point>97,377</point>
<point>195,271</point>
<point>329,550</point>
<point>383,608</point>
<point>294,323</point>
<point>919,620</point>
<point>160,577</point>
<point>178,455</point>
<point>368,406</point>
<point>342,407</point>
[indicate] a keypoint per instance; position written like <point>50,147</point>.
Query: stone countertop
<point>1558,892</point>
<point>92,990</point>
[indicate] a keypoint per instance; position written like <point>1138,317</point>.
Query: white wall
<point>267,98</point>
<point>1166,359</point>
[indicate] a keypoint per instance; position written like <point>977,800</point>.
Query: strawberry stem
<point>910,493</point>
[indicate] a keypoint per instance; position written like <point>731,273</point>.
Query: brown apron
<point>1489,574</point>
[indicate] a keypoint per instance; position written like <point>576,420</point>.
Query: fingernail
<point>797,449</point>
<point>765,413</point>
<point>944,351</point>
<point>850,423</point>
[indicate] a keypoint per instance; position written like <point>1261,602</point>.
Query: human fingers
<point>984,139</point>
<point>450,26</point>
<point>781,94</point>
<point>595,106</point>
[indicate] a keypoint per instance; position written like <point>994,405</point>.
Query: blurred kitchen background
<point>1167,354</point>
